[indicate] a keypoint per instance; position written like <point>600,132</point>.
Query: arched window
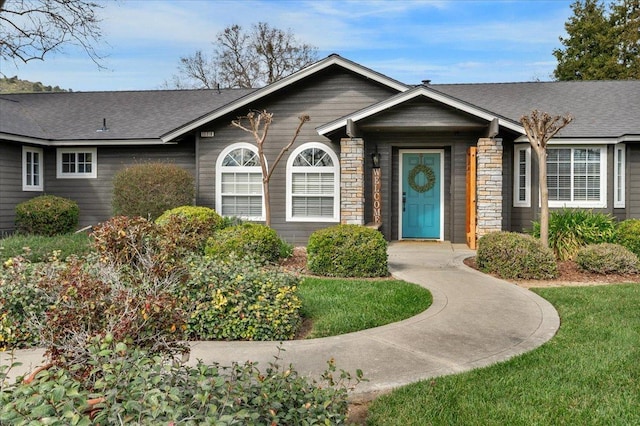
<point>313,184</point>
<point>239,182</point>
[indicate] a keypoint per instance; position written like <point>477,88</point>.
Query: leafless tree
<point>258,123</point>
<point>540,127</point>
<point>31,29</point>
<point>245,59</point>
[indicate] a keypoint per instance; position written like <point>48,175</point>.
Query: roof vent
<point>104,127</point>
<point>426,82</point>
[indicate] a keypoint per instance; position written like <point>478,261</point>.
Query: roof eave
<point>80,142</point>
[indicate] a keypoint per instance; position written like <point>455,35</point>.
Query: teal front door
<point>421,191</point>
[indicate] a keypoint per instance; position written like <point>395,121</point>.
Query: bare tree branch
<point>31,29</point>
<point>258,124</point>
<point>246,59</point>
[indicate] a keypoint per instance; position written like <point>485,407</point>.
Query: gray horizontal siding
<point>94,195</point>
<point>11,192</point>
<point>421,113</point>
<point>329,96</point>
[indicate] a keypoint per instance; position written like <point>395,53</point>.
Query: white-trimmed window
<point>239,182</point>
<point>313,184</point>
<point>619,171</point>
<point>522,176</point>
<point>77,163</point>
<point>32,176</point>
<point>577,176</point>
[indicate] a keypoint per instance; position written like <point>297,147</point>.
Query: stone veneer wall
<point>489,186</point>
<point>352,181</point>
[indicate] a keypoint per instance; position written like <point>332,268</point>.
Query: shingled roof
<point>129,114</point>
<point>600,108</point>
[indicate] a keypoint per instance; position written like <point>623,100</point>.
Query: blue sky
<point>446,41</point>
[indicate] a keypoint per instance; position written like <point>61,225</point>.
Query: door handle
<point>404,201</point>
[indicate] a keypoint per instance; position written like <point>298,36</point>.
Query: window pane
<point>312,206</point>
<point>313,157</point>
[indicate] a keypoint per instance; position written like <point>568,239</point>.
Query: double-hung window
<point>576,176</point>
<point>313,184</point>
<point>77,163</point>
<point>239,182</point>
<point>32,169</point>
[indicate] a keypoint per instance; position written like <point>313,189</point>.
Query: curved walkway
<point>475,320</point>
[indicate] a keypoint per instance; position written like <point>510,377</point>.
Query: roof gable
<point>415,93</point>
<point>330,61</point>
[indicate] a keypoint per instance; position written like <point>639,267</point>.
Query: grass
<point>338,306</point>
<point>40,248</point>
<point>589,373</point>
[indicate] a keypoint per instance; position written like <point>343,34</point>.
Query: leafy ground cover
<point>587,374</point>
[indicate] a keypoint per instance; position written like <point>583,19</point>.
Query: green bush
<point>131,386</point>
<point>607,258</point>
<point>190,226</point>
<point>570,229</point>
<point>515,256</point>
<point>237,299</point>
<point>628,235</point>
<point>47,215</point>
<point>149,189</point>
<point>248,238</point>
<point>347,251</point>
<point>22,303</point>
<point>95,300</point>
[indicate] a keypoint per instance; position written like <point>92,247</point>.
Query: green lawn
<point>338,306</point>
<point>588,374</point>
<point>40,248</point>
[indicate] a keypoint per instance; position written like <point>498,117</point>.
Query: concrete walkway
<point>475,320</point>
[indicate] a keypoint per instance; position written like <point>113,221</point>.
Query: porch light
<point>375,157</point>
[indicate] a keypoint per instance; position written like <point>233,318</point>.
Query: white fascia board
<point>80,142</point>
<point>403,97</point>
<point>293,78</point>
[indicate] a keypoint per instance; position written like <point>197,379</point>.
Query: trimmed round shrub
<point>607,258</point>
<point>512,255</point>
<point>190,226</point>
<point>628,235</point>
<point>47,215</point>
<point>149,189</point>
<point>248,238</point>
<point>570,229</point>
<point>347,251</point>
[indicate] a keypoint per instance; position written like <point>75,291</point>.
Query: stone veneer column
<point>489,186</point>
<point>352,181</point>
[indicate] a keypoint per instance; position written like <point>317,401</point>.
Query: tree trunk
<point>267,202</point>
<point>544,197</point>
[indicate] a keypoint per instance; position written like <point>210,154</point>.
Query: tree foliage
<point>540,127</point>
<point>31,29</point>
<point>603,42</point>
<point>246,59</point>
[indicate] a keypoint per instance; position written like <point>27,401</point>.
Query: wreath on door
<point>428,174</point>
